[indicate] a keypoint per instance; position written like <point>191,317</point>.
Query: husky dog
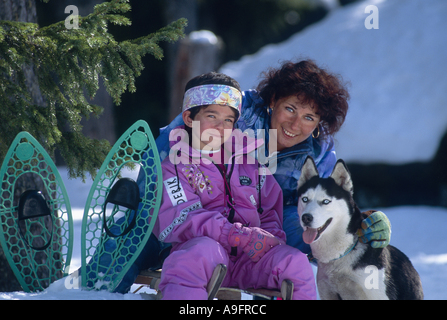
<point>347,268</point>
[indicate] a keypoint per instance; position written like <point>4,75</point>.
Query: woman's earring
<point>269,111</point>
<point>318,133</point>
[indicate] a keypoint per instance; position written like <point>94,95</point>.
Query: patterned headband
<point>212,94</point>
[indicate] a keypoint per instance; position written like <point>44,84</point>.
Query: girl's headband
<point>212,94</point>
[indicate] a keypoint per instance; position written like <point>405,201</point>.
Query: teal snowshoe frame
<point>117,223</point>
<point>36,231</point>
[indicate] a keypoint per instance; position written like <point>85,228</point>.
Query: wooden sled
<point>152,279</point>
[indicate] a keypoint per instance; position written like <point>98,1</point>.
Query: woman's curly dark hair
<point>312,85</point>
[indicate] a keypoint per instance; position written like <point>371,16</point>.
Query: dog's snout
<point>307,218</point>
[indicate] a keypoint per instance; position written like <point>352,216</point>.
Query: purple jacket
<point>199,201</point>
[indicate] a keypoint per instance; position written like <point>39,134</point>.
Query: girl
<point>220,206</point>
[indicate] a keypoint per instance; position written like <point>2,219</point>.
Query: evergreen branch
<point>68,65</point>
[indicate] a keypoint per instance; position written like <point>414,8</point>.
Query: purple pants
<point>189,267</point>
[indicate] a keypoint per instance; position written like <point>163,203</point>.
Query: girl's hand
<point>255,242</point>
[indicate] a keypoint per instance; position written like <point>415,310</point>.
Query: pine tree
<point>68,64</point>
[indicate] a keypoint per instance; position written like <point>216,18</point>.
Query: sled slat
<point>149,278</point>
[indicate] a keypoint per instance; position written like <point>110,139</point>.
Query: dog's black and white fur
<point>347,268</point>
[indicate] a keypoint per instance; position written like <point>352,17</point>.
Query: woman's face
<point>294,121</point>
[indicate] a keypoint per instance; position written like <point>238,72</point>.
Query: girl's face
<point>216,124</point>
<point>294,121</point>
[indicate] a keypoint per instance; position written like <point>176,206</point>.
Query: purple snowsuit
<point>196,216</point>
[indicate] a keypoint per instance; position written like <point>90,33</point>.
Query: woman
<point>306,106</point>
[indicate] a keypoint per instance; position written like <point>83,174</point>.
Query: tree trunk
<point>25,11</point>
<point>175,9</point>
<point>198,53</point>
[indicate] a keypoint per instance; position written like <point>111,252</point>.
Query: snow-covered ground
<point>397,114</point>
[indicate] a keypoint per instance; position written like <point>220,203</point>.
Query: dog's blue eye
<point>305,199</point>
<point>326,201</point>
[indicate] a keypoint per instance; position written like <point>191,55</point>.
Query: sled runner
<point>152,279</point>
<point>117,223</point>
<point>36,231</point>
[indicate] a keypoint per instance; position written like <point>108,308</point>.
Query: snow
<point>328,4</point>
<point>203,37</point>
<point>398,99</point>
<point>397,74</point>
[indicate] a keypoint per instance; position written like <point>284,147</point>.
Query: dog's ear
<point>342,176</point>
<point>308,171</point>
